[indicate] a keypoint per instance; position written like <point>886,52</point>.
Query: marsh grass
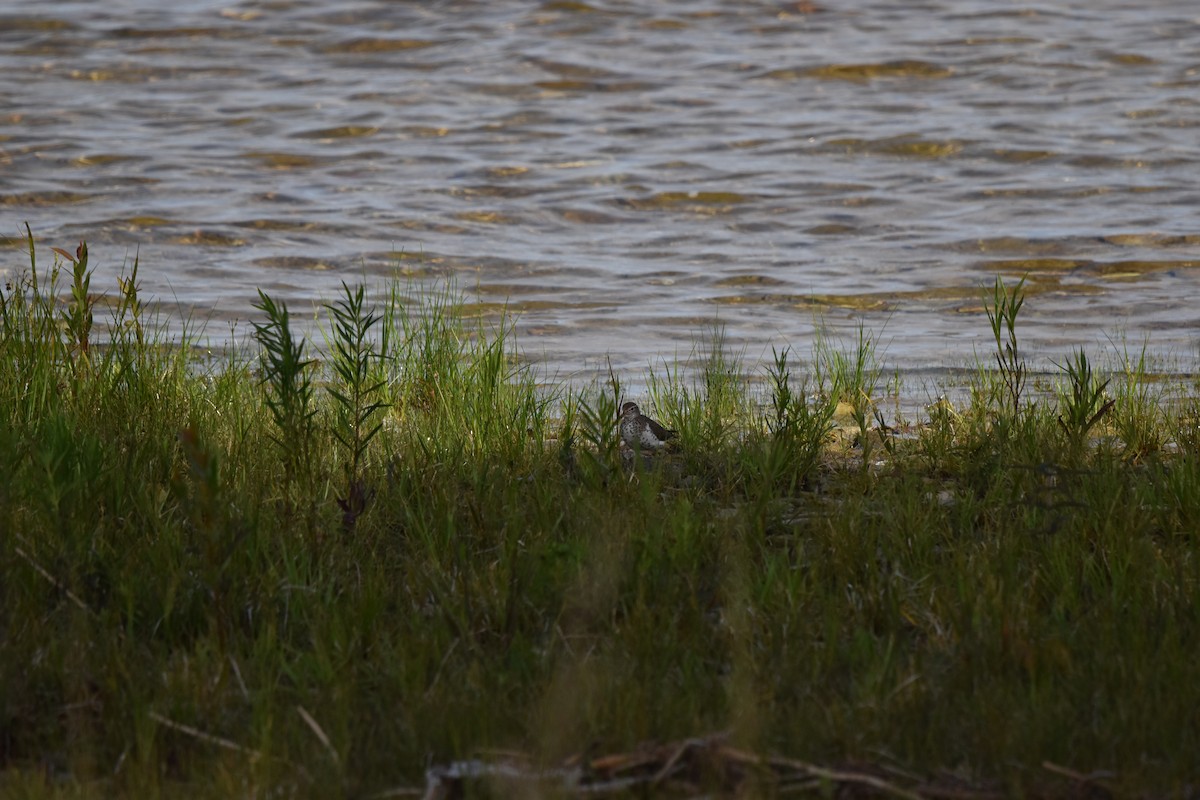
<point>186,610</point>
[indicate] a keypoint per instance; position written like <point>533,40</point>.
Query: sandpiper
<point>638,430</point>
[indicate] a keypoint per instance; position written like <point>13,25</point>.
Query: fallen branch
<point>688,766</point>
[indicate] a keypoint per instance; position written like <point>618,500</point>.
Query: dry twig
<point>204,737</point>
<point>318,732</point>
<point>74,598</point>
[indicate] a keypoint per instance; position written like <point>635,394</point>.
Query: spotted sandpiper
<point>638,430</point>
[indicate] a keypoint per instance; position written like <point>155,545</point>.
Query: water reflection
<point>621,174</point>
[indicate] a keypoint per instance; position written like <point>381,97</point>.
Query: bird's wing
<point>659,431</point>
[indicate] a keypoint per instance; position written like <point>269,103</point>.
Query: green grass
<point>319,571</point>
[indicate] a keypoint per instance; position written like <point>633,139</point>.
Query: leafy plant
<point>356,394</point>
<point>286,374</point>
<point>1002,314</point>
<point>129,311</point>
<point>78,315</point>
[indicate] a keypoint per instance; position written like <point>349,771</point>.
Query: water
<point>623,173</point>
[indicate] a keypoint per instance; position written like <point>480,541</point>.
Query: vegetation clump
<point>367,570</point>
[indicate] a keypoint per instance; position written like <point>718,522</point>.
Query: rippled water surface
<point>623,173</point>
